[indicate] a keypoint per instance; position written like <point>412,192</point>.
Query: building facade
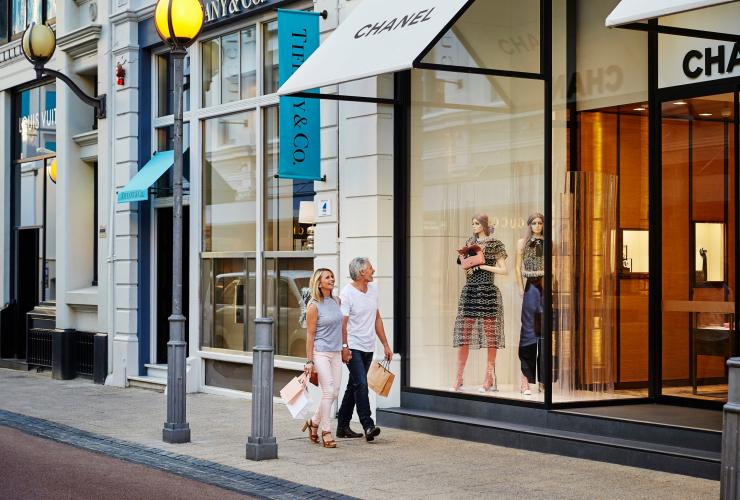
<point>625,140</point>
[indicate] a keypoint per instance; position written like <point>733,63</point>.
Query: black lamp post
<point>178,24</point>
<point>38,44</point>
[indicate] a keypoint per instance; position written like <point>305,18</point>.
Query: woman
<point>530,268</point>
<point>480,312</point>
<point>324,352</point>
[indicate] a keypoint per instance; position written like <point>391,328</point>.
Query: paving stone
<point>400,464</point>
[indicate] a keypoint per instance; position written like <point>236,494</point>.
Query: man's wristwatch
<point>345,346</point>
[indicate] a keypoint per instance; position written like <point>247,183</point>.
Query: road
<point>36,468</point>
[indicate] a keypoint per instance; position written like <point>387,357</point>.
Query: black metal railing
<point>84,353</point>
<point>39,347</point>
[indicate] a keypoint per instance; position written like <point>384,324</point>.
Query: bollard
<point>730,434</point>
<point>261,445</point>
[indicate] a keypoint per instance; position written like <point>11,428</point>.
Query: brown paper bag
<point>380,378</point>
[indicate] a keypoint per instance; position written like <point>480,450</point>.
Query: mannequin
<point>480,313</point>
<point>530,269</point>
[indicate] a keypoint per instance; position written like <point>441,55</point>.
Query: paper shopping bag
<point>294,389</point>
<point>380,378</point>
<point>299,406</point>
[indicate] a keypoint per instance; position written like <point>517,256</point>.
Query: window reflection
<point>270,57</point>
<point>229,298</point>
<point>229,183</point>
<point>286,282</point>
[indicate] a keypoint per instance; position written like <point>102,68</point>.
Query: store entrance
<point>164,278</point>
<point>698,252</point>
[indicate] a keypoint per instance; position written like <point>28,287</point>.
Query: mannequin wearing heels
<point>530,269</point>
<point>480,314</point>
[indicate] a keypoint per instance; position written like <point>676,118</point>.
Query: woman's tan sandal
<point>330,443</point>
<point>313,430</point>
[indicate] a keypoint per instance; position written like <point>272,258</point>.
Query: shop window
<point>494,34</point>
<point>477,147</point>
<point>165,85</point>
<point>229,183</point>
<point>285,230</point>
<point>270,57</point>
<point>230,67</point>
<point>229,301</point>
<point>24,12</point>
<point>36,122</point>
<point>4,18</point>
<point>286,280</point>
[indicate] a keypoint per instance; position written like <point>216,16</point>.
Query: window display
<point>477,172</point>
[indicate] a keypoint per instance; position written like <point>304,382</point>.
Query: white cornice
<point>81,42</point>
<point>133,16</point>
<point>10,52</point>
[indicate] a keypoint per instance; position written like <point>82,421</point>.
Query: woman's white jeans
<point>329,367</point>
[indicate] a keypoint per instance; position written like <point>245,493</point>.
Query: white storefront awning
<point>379,36</point>
<point>630,11</point>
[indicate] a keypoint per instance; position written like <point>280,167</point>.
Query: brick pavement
<point>398,464</point>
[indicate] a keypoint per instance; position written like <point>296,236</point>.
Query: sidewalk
<point>399,464</point>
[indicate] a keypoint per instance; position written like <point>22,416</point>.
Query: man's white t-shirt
<point>362,309</point>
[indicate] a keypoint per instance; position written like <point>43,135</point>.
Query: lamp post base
<point>262,448</point>
<point>176,433</point>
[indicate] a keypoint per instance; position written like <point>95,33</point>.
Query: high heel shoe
<point>312,436</point>
<point>458,386</point>
<point>489,385</point>
<point>330,443</point>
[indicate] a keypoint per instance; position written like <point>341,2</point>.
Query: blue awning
<point>137,188</point>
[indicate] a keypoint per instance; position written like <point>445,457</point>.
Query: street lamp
<point>38,45</point>
<point>178,23</point>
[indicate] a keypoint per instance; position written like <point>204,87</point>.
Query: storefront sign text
<point>221,9</point>
<point>697,63</point>
<point>379,28</point>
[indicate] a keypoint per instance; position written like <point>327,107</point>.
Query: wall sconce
<point>307,215</point>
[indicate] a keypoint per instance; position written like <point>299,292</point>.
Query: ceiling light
<point>638,109</point>
<point>680,103</point>
<point>705,114</point>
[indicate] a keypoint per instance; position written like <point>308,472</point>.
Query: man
<point>361,324</point>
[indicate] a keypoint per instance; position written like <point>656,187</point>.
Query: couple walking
<point>343,330</point>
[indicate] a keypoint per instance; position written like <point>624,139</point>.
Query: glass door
<point>698,245</point>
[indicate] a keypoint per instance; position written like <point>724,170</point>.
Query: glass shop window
<point>230,183</point>
<point>165,85</point>
<point>477,177</point>
<point>230,67</point>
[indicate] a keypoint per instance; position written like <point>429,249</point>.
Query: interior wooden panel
<point>633,214</point>
<point>708,170</point>
<point>633,171</point>
<point>633,325</point>
<point>675,251</point>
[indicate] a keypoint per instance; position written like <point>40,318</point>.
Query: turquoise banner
<point>300,117</point>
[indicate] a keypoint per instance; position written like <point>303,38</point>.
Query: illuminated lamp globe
<point>39,43</point>
<point>179,22</point>
<point>53,171</point>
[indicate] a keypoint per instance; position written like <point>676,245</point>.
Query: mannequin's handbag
<point>380,378</point>
<point>471,256</point>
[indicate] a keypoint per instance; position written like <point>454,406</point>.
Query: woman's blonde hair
<point>315,281</point>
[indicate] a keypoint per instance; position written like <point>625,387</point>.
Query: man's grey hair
<point>357,265</point>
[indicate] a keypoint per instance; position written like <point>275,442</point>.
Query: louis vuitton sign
<point>220,10</point>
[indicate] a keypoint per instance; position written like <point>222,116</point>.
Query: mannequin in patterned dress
<point>480,313</point>
<point>530,268</point>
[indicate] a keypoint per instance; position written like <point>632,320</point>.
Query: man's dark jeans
<point>356,392</point>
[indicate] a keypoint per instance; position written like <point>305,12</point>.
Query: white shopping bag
<point>299,406</point>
